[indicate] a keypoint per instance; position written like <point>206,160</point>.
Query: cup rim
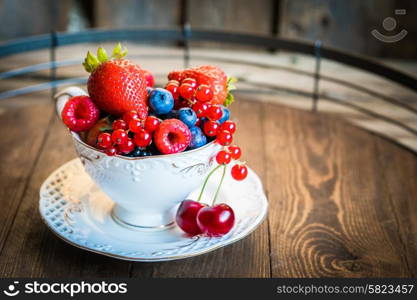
<point>77,138</point>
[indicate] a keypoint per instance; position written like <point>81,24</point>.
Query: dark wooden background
<point>342,24</point>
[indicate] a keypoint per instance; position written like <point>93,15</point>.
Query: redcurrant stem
<point>220,185</point>
<point>205,182</point>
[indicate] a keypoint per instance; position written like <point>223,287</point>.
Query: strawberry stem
<point>92,62</point>
<point>220,185</point>
<point>205,182</point>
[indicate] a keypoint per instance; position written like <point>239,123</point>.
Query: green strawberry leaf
<point>230,87</point>
<point>229,100</point>
<point>118,53</point>
<point>231,83</point>
<point>91,62</point>
<point>102,55</point>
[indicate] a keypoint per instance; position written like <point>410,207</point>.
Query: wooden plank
<point>250,256</point>
<point>328,201</point>
<point>151,13</point>
<point>31,250</point>
<point>400,180</point>
<point>23,131</point>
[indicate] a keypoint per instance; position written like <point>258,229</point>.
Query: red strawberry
<point>80,113</point>
<point>116,85</point>
<point>208,75</point>
<point>172,136</point>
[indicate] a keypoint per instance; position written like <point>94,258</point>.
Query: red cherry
<point>119,124</point>
<point>119,136</point>
<point>111,151</point>
<point>239,172</point>
<point>229,126</point>
<point>214,112</point>
<point>200,109</point>
<point>216,220</point>
<point>223,157</point>
<point>211,128</point>
<point>174,89</point>
<point>190,81</point>
<point>173,82</point>
<point>204,93</point>
<point>104,140</point>
<point>126,147</point>
<point>143,138</point>
<point>224,138</point>
<point>128,116</point>
<point>235,152</point>
<point>152,123</point>
<point>186,90</point>
<point>187,216</point>
<point>135,125</point>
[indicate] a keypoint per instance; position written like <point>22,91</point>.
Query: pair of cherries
<point>196,218</point>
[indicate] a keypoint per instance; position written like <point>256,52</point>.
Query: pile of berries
<point>125,115</point>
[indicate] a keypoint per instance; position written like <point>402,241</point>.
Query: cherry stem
<point>205,182</point>
<point>220,185</point>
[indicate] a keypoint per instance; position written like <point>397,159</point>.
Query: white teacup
<point>145,190</point>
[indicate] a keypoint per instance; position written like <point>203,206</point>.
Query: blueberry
<point>187,116</point>
<point>135,153</point>
<point>198,139</point>
<point>146,153</point>
<point>139,152</point>
<point>226,114</point>
<point>149,90</point>
<point>161,101</point>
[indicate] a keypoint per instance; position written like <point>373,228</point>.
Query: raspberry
<point>80,113</point>
<point>172,136</point>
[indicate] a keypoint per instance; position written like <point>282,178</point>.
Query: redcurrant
<point>104,140</point>
<point>235,152</point>
<point>223,157</point>
<point>239,172</point>
<point>143,138</point>
<point>119,136</point>
<point>119,124</point>
<point>127,116</point>
<point>174,90</point>
<point>211,128</point>
<point>200,109</point>
<point>111,151</point>
<point>135,125</point>
<point>126,147</point>
<point>190,81</point>
<point>224,138</point>
<point>204,93</point>
<point>214,112</point>
<point>229,126</point>
<point>152,123</point>
<point>186,91</point>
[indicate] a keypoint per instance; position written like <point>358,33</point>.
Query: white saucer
<point>74,208</point>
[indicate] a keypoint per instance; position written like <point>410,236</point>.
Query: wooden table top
<point>343,201</point>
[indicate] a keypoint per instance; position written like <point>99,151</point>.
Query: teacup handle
<point>62,97</point>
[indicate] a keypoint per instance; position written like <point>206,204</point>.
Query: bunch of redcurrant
<point>188,94</point>
<point>225,156</point>
<point>128,132</point>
